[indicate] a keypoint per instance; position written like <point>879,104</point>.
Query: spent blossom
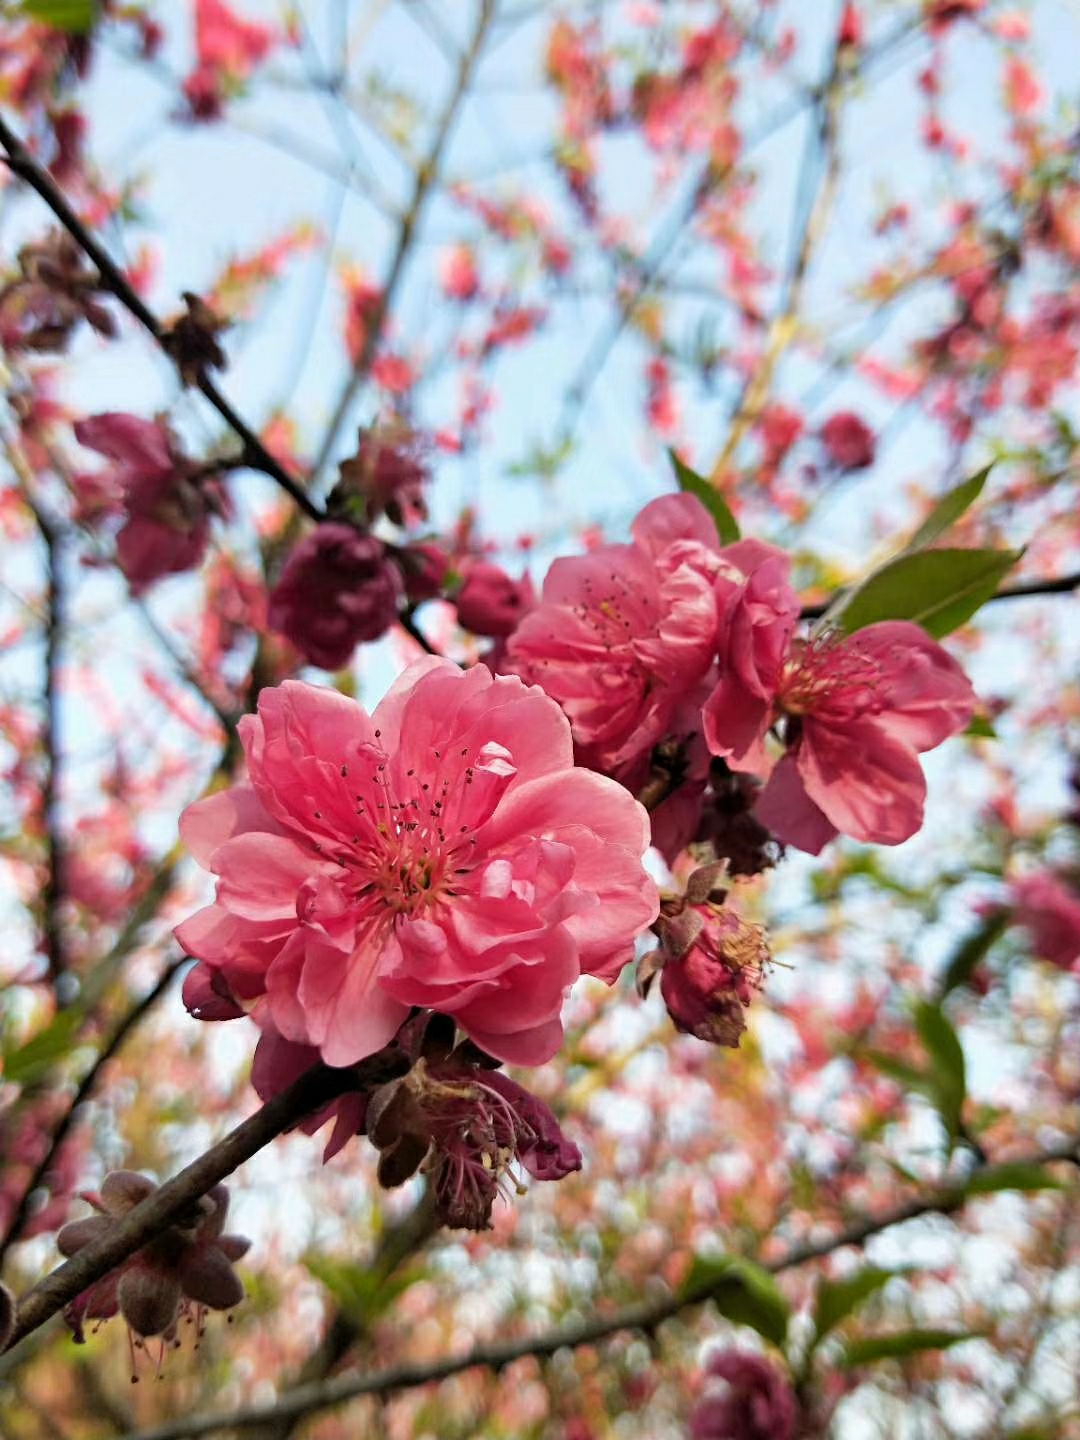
<point>854,713</point>
<point>185,1270</point>
<point>338,589</point>
<point>443,852</point>
<point>165,499</point>
<point>712,959</point>
<point>466,1125</point>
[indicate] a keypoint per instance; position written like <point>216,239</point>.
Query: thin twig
<point>254,454</point>
<point>426,174</point>
<point>821,154</point>
<point>645,1316</point>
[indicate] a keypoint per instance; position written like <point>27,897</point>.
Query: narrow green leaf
<point>1013,1175</point>
<point>742,1292</point>
<point>837,1299</point>
<point>949,509</point>
<point>727,527</point>
<point>946,1056</point>
<point>938,589</point>
<point>972,950</point>
<point>30,1061</point>
<point>901,1343</point>
<point>74,16</point>
<point>899,1070</point>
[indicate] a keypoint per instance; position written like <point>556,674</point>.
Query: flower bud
<point>491,603</point>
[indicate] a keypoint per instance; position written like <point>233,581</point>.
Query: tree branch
<point>254,454</point>
<point>645,1316</point>
<point>313,1090</point>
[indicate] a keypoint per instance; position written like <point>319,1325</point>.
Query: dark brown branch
<point>313,1090</point>
<point>426,174</point>
<point>52,892</point>
<point>254,453</point>
<point>85,1089</point>
<point>1023,589</point>
<point>646,1316</point>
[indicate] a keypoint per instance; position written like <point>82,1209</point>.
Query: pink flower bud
<point>490,603</point>
<point>1050,912</point>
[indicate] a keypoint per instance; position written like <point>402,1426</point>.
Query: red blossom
<point>490,602</point>
<point>339,589</point>
<point>746,1398</point>
<point>849,442</point>
<point>165,502</point>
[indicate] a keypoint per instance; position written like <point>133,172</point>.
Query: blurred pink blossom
<point>166,503</point>
<point>1050,912</point>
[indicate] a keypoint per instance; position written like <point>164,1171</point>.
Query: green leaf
<point>938,589</point>
<point>837,1299</point>
<point>29,1062</point>
<point>946,1054</point>
<point>1013,1175</point>
<point>901,1343</point>
<point>361,1292</point>
<point>949,509</point>
<point>980,728</point>
<point>742,1292</point>
<point>900,1071</point>
<point>972,950</point>
<point>689,481</point>
<point>74,16</point>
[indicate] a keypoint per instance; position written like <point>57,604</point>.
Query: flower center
<point>830,672</point>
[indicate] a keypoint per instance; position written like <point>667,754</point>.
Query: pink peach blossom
<point>167,505</point>
<point>443,853</point>
<point>624,635</point>
<point>856,711</point>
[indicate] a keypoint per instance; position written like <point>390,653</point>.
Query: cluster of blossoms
<point>677,646</point>
<point>179,1274</point>
<point>475,845</point>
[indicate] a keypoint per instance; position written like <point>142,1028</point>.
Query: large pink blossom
<point>443,852</point>
<point>165,503</point>
<point>1050,911</point>
<point>853,712</point>
<point>624,635</point>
